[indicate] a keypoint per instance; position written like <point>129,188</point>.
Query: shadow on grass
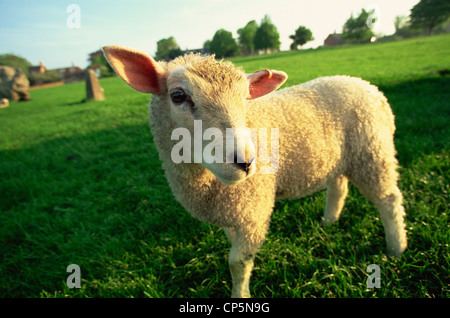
<point>422,117</point>
<point>87,199</point>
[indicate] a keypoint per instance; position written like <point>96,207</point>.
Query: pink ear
<point>136,68</point>
<point>265,81</point>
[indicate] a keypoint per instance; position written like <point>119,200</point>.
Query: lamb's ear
<point>136,68</point>
<point>264,82</point>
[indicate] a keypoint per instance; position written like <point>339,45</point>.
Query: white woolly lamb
<point>330,131</point>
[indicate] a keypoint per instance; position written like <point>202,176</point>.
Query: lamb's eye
<point>178,97</point>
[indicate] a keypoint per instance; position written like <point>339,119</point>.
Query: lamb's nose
<point>242,164</point>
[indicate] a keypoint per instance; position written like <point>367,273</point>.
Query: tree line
<point>252,38</point>
<point>425,17</point>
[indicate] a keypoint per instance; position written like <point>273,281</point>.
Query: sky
<point>58,35</point>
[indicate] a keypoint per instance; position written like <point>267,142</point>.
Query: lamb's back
<point>316,120</point>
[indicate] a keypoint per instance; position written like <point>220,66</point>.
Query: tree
<point>247,37</point>
<point>430,14</point>
<point>400,22</point>
<point>403,28</point>
<point>167,49</point>
<point>47,77</point>
<point>267,36</point>
<point>223,44</point>
<point>359,29</point>
<point>301,36</point>
<point>102,63</point>
<point>207,45</point>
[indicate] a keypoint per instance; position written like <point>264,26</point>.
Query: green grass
<point>80,182</point>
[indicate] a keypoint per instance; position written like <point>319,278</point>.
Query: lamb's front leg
<point>241,260</point>
<point>230,233</point>
<point>336,193</point>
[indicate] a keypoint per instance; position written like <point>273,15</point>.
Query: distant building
<point>333,40</point>
<point>71,74</point>
<point>68,74</point>
<point>40,69</point>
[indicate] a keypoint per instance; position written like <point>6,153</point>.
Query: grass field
<point>80,183</point>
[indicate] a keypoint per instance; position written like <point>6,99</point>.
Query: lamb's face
<point>206,99</point>
<point>213,109</point>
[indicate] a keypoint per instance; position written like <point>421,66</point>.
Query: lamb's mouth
<point>237,177</point>
<point>230,182</point>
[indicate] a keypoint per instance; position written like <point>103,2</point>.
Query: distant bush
<point>47,77</point>
<point>16,61</point>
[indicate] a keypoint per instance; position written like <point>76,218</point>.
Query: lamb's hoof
<point>395,252</point>
<point>327,222</point>
<point>240,294</point>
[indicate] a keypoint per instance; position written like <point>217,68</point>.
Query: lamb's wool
<point>331,130</point>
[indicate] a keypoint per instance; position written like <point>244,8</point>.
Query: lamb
<point>330,131</point>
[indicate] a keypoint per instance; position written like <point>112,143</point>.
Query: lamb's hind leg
<point>336,193</point>
<point>392,215</point>
<point>378,183</point>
